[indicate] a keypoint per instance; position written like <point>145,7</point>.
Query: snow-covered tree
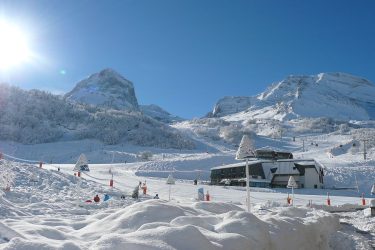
<point>34,116</point>
<point>6,176</point>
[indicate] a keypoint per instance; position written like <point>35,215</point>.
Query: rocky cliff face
<point>107,89</point>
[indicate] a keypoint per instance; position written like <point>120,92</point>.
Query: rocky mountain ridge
<point>335,95</point>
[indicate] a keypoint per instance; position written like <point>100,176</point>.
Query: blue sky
<point>186,54</point>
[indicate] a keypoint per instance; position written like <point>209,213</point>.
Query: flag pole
<point>247,186</point>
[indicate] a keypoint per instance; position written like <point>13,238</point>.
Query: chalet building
<point>270,169</point>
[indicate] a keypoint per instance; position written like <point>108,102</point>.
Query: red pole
<point>79,174</point>
<point>111,183</point>
<point>288,200</point>
<point>328,200</point>
<point>363,200</point>
<point>40,164</point>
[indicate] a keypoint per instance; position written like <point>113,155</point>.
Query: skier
<point>195,182</point>
<point>106,197</point>
<point>96,198</point>
<point>156,196</point>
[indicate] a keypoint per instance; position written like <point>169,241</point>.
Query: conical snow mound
<point>292,183</point>
<point>246,148</point>
<point>170,180</point>
<point>82,164</point>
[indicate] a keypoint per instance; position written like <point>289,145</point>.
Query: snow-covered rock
<point>230,105</point>
<point>336,95</point>
<point>107,89</point>
<point>158,113</point>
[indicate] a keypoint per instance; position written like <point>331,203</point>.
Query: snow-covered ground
<point>46,209</point>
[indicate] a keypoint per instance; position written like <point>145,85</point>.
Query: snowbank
<point>158,224</point>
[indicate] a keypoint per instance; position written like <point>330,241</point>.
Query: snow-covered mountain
<point>34,116</point>
<point>335,95</point>
<point>106,89</point>
<point>109,89</point>
<point>159,114</point>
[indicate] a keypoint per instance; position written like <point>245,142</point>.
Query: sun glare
<point>13,46</point>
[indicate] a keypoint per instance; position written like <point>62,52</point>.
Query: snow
<point>32,117</point>
<point>51,213</point>
<point>341,96</point>
<point>159,114</point>
<point>106,88</point>
<point>47,209</point>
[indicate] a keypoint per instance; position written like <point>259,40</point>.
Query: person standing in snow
<point>156,196</point>
<point>96,198</point>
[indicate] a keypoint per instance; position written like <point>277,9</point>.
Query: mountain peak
<point>107,72</point>
<point>106,88</point>
<point>337,95</point>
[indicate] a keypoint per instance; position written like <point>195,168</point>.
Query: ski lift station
<point>271,169</point>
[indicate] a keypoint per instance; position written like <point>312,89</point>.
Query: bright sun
<point>13,46</point>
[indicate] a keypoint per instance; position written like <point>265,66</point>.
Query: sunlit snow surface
<point>46,209</point>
